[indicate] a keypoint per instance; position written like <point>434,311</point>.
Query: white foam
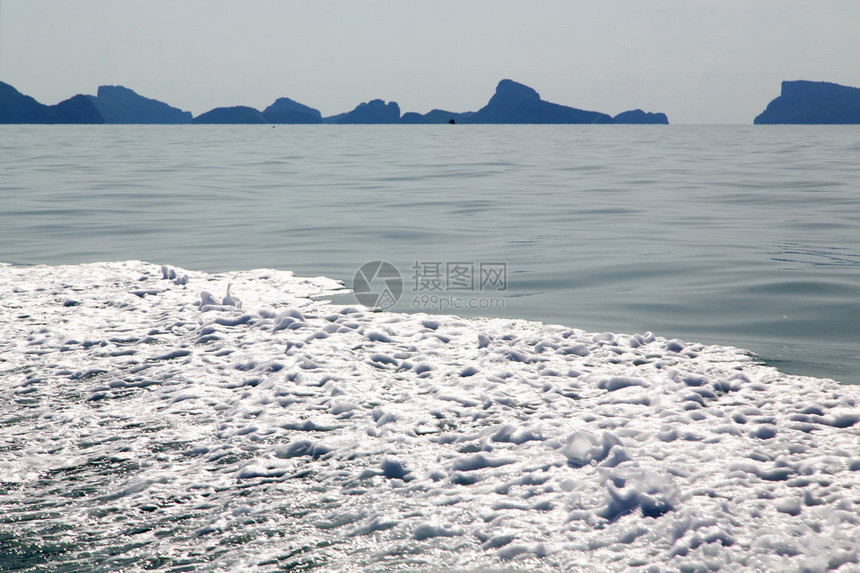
<point>400,441</point>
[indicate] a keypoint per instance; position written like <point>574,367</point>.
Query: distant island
<point>15,107</point>
<point>517,103</point>
<point>121,105</point>
<point>805,102</point>
<point>512,103</point>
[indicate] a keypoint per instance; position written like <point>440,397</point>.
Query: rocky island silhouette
<point>512,103</point>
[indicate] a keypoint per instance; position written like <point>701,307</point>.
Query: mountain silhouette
<point>285,110</point>
<point>809,102</point>
<point>512,103</point>
<point>16,107</point>
<point>637,116</point>
<point>118,104</point>
<point>231,115</point>
<point>374,111</point>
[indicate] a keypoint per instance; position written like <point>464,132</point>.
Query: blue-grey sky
<point>699,61</point>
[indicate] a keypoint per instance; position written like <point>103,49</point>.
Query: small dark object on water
<point>451,121</point>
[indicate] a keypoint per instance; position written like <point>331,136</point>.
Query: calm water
<point>748,236</point>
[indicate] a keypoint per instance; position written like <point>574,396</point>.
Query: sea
<point>746,236</point>
<point>151,418</point>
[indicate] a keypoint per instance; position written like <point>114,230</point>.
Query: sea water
<point>195,416</point>
<point>740,235</point>
<point>155,418</point>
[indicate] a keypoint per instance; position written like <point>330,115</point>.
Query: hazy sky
<point>699,61</point>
